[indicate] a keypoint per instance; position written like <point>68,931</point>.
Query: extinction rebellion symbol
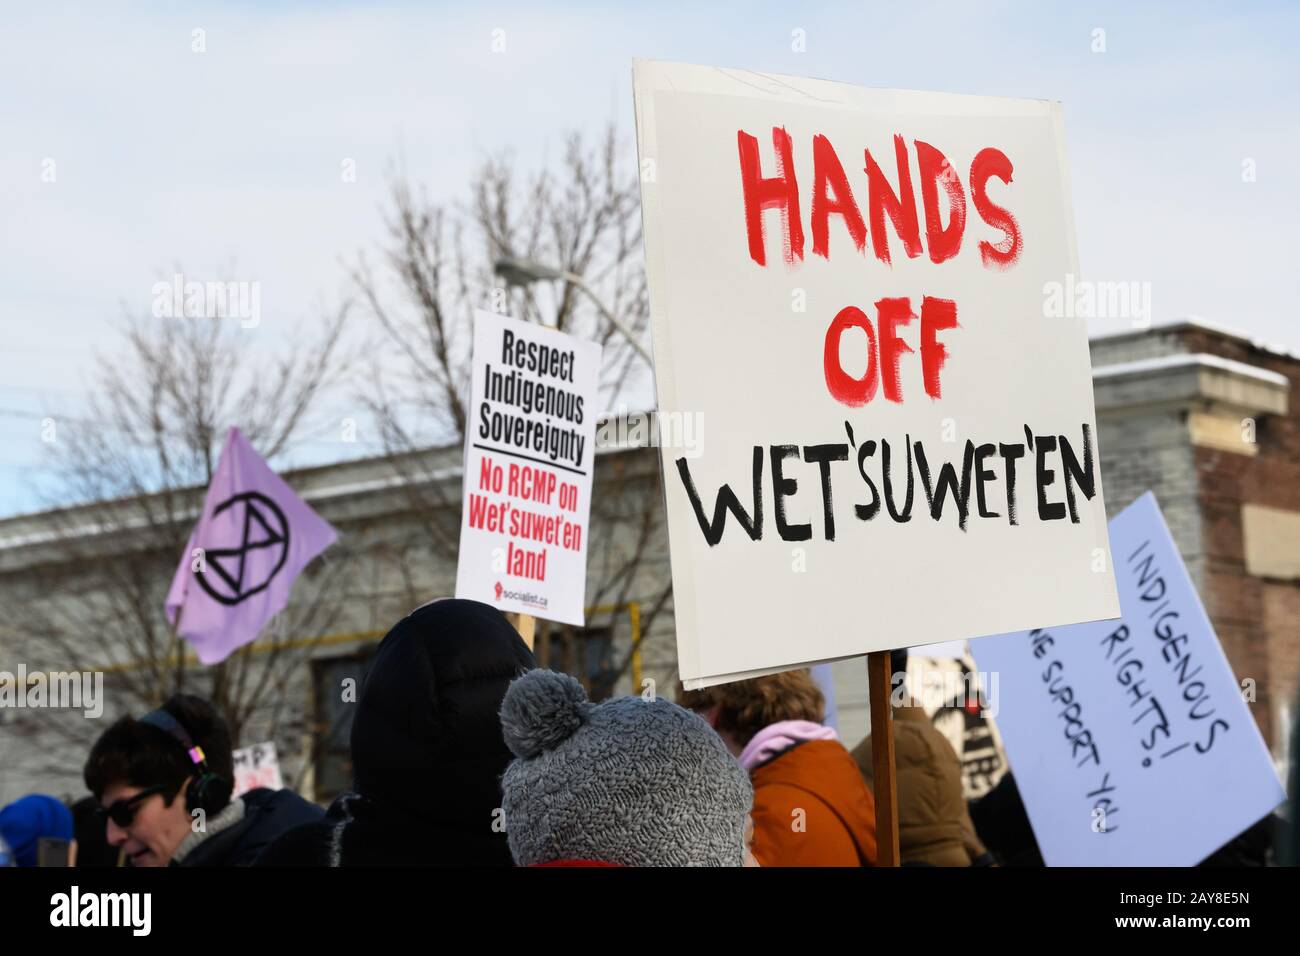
<point>265,536</point>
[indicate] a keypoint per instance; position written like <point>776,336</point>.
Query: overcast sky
<point>162,155</point>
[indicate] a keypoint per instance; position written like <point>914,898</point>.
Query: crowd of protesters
<point>465,753</point>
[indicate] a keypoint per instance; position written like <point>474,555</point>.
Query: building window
<point>332,729</point>
<point>586,653</point>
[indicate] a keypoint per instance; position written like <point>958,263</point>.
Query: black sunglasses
<point>122,812</point>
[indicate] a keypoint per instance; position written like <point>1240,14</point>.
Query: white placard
<point>257,766</point>
<point>902,307</point>
<point>530,447</point>
<point>1130,740</point>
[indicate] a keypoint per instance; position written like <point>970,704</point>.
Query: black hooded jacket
<point>427,750</point>
<point>267,814</point>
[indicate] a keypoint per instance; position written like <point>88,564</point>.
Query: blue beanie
<point>25,821</point>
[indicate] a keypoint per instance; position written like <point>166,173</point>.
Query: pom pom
<point>541,710</point>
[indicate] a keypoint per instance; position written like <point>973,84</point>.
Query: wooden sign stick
<point>526,625</point>
<point>882,759</point>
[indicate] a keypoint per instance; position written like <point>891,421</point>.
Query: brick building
<point>1204,417</point>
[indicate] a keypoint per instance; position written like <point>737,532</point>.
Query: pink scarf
<point>782,735</point>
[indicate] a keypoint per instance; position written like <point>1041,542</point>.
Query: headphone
<point>207,791</point>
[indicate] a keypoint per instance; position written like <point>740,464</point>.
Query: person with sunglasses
<point>164,785</point>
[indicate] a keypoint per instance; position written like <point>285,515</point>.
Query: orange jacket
<point>837,825</point>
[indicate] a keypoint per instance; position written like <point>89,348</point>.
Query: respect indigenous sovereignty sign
<point>1130,740</point>
<point>530,446</point>
<point>848,285</point>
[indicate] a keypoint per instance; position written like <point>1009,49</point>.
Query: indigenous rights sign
<point>1122,733</point>
<point>846,284</point>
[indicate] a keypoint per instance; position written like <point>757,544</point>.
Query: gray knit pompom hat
<point>629,781</point>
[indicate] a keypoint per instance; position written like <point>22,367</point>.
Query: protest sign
<point>529,452</point>
<point>257,766</point>
<point>1129,739</point>
<point>824,677</point>
<point>961,703</point>
<point>946,650</point>
<point>846,286</point>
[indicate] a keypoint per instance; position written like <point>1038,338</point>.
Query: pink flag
<point>255,535</point>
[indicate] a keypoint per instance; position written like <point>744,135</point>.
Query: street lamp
<point>523,272</point>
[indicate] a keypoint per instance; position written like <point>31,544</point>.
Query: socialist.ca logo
<point>240,571</point>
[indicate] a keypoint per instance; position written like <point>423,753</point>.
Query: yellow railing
<point>633,609</point>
